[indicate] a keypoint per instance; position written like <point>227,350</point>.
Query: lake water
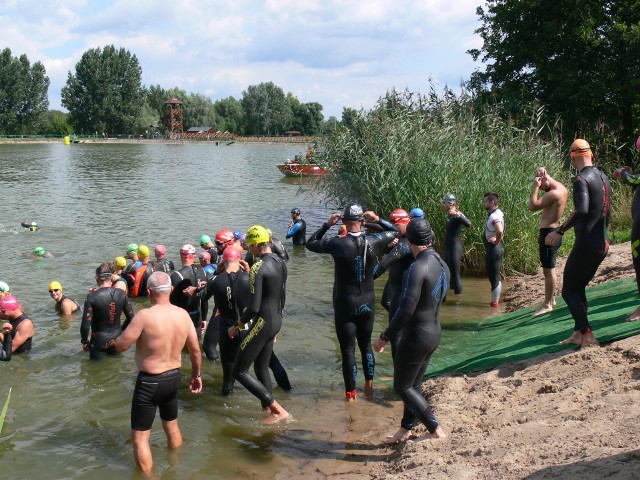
<point>69,417</point>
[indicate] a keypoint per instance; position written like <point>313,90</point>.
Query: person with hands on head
<point>160,332</point>
<point>297,230</point>
<point>424,288</point>
<point>452,245</point>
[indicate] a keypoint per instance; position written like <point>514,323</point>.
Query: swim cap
<point>416,212</point>
<point>39,251</point>
<point>143,252</point>
<point>257,234</point>
<point>132,248</point>
<point>225,236</point>
<point>120,262</point>
<point>399,216</point>
<point>187,249</point>
<point>231,254</point>
<point>269,232</point>
<point>295,211</point>
<point>353,212</point>
<point>9,303</point>
<point>237,234</point>
<point>449,198</point>
<point>419,232</point>
<point>580,148</point>
<point>205,256</point>
<point>55,286</point>
<point>4,287</point>
<point>160,250</point>
<point>205,240</point>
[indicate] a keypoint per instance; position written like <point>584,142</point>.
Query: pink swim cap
<point>160,250</point>
<point>205,256</point>
<point>231,254</point>
<point>9,303</point>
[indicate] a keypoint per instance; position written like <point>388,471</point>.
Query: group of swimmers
<point>249,292</point>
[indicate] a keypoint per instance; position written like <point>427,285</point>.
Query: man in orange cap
<point>592,202</point>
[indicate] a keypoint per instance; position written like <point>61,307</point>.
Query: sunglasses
<point>54,290</point>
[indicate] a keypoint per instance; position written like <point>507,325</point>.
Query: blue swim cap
<point>237,234</point>
<point>416,213</point>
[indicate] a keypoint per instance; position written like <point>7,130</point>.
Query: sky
<point>336,52</point>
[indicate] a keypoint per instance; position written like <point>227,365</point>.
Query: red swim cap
<point>187,249</point>
<point>231,254</point>
<point>225,236</point>
<point>160,250</point>
<point>399,216</point>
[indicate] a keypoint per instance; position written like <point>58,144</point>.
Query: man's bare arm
<point>195,384</point>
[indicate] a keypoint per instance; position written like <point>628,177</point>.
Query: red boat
<point>295,169</point>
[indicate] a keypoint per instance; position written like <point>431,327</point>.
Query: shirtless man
<point>160,333</point>
<point>552,205</point>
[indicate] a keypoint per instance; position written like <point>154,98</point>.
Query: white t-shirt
<point>494,217</point>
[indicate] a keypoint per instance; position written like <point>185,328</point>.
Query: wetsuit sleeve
<point>128,312</point>
<point>411,291</point>
<point>293,230</point>
<point>379,241</point>
<point>398,252</point>
<point>464,220</point>
<point>255,286</point>
<point>581,203</point>
<point>630,178</point>
<point>387,226</point>
<point>316,242</point>
<point>87,317</point>
<point>7,346</point>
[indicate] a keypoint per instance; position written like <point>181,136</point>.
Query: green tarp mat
<point>489,343</point>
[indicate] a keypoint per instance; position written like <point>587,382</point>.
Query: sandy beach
<point>571,414</point>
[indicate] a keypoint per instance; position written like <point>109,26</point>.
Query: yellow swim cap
<point>143,252</point>
<point>55,286</point>
<point>257,234</point>
<point>120,262</point>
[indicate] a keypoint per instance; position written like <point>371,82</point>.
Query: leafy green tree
<point>105,93</point>
<point>230,115</point>
<point>330,125</point>
<point>266,108</point>
<point>55,122</point>
<point>349,116</point>
<point>198,111</point>
<point>23,94</point>
<point>580,59</point>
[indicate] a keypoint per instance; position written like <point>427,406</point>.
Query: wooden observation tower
<point>173,117</point>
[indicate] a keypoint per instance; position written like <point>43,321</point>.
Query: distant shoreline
<point>224,141</point>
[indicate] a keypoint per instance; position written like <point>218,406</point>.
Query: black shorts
<point>153,391</point>
<point>547,252</point>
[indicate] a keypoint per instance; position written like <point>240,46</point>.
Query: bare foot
<point>274,418</point>
<point>439,433</point>
<point>634,316</point>
<point>368,388</point>
<point>588,339</point>
<point>553,302</point>
<point>576,339</point>
<point>546,308</point>
<point>400,436</point>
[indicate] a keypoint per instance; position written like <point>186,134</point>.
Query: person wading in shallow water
<point>552,205</point>
<point>591,199</point>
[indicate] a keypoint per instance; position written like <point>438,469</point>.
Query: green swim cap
<point>132,248</point>
<point>39,251</point>
<point>205,239</point>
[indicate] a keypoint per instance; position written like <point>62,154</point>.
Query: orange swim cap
<point>580,148</point>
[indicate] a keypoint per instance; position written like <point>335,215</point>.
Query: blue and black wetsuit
<point>7,344</point>
<point>634,181</point>
<point>592,202</point>
<point>102,311</point>
<point>397,261</point>
<point>298,232</point>
<point>423,290</point>
<point>267,288</point>
<point>453,247</point>
<point>354,256</point>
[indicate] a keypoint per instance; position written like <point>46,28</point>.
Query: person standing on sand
<point>424,288</point>
<point>160,333</point>
<point>592,202</point>
<point>552,205</point>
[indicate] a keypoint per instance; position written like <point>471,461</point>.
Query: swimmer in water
<point>39,253</point>
<point>64,305</point>
<point>18,329</point>
<point>297,231</point>
<point>142,273</point>
<point>31,226</point>
<point>162,264</point>
<point>117,279</point>
<point>4,290</point>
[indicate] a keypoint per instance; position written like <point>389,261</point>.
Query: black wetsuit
<point>32,228</point>
<point>354,257</point>
<point>7,344</point>
<point>423,290</point>
<point>164,265</point>
<point>298,232</point>
<point>266,283</point>
<point>278,248</point>
<point>213,251</point>
<point>634,181</point>
<point>128,273</point>
<point>195,305</point>
<point>59,304</point>
<point>231,294</point>
<point>102,311</point>
<point>592,202</point>
<point>397,261</point>
<point>453,247</point>
<point>140,277</point>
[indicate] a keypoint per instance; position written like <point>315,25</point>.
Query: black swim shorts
<point>547,252</point>
<point>151,392</point>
